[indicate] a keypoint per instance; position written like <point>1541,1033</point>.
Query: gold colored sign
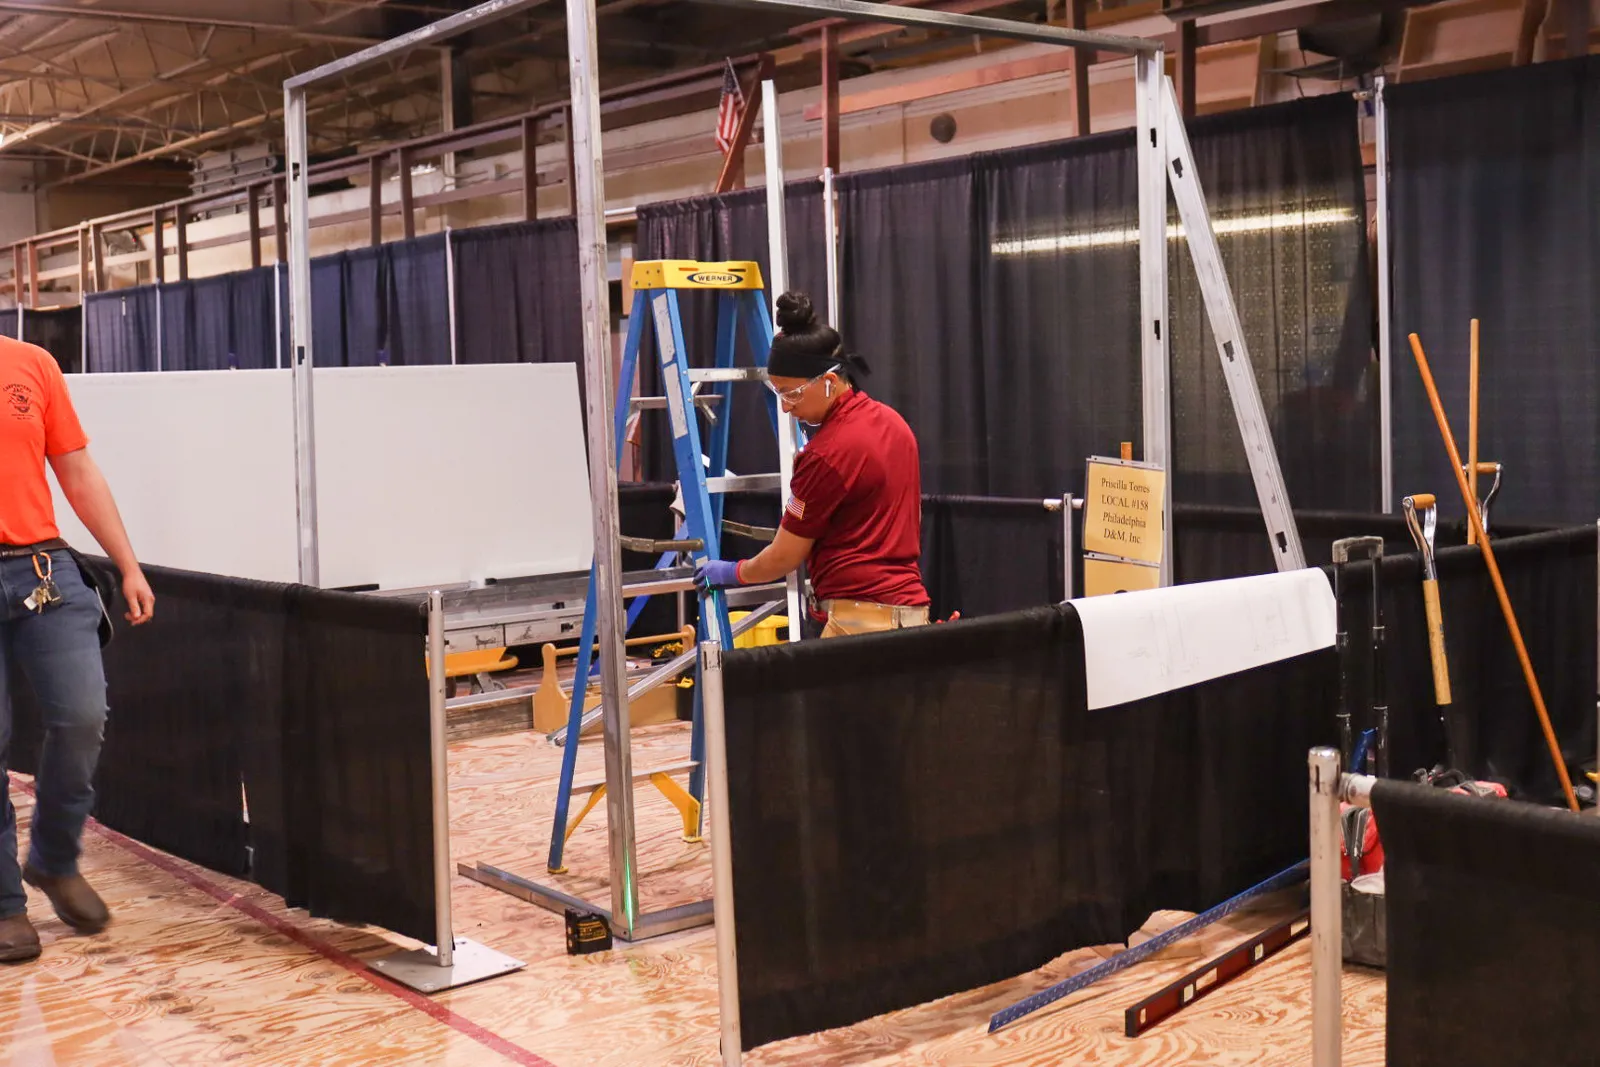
<point>1102,576</point>
<point>1122,510</point>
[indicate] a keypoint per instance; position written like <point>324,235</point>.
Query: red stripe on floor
<point>458,1023</point>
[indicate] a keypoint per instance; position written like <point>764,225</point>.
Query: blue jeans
<point>59,656</point>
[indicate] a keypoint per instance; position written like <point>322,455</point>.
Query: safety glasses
<point>792,396</point>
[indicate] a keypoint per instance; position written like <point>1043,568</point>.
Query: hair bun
<point>795,313</point>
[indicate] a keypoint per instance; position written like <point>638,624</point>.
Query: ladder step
<point>589,785</point>
<point>657,403</point>
<point>744,483</point>
<point>727,374</point>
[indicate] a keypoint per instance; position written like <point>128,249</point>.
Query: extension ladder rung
<point>656,403</point>
<point>744,483</point>
<point>727,374</point>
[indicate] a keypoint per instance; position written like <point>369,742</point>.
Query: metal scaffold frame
<point>1163,157</point>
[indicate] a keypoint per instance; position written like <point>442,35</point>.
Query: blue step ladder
<point>702,466</point>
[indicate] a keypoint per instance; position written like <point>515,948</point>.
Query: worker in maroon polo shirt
<point>854,512</point>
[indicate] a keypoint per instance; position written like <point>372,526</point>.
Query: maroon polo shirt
<point>857,491</point>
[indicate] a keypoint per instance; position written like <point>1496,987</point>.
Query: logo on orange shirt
<point>21,398</point>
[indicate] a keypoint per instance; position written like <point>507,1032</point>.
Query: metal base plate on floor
<point>419,968</point>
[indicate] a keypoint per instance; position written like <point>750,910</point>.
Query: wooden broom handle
<point>1494,571</point>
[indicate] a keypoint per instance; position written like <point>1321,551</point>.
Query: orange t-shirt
<point>36,420</point>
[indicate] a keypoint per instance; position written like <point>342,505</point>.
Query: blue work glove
<point>716,574</point>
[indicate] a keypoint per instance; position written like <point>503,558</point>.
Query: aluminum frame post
<point>590,201</point>
<point>1155,364</point>
<point>1069,547</point>
<point>1327,937</point>
<point>1597,648</point>
<point>450,289</point>
<point>1223,314</point>
<point>453,961</point>
<point>300,336</point>
<point>830,226</point>
<point>778,271</point>
<point>1385,308</point>
<point>721,852</point>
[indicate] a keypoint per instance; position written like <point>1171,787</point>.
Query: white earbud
<point>829,386</point>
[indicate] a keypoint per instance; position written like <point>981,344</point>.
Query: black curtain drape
<point>59,331</point>
<point>357,763</point>
<point>714,229</point>
<point>1495,215</point>
<point>999,293</point>
<point>122,329</point>
<point>417,297</point>
<point>383,306</point>
<point>8,323</point>
<point>225,322</point>
<point>517,298</point>
<point>1490,915</point>
<point>880,789</point>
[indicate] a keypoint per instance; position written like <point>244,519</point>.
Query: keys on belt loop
<point>46,595</point>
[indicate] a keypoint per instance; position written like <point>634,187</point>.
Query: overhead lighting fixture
<point>1073,242</point>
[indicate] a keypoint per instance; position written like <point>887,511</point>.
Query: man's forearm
<point>86,490</point>
<point>776,561</point>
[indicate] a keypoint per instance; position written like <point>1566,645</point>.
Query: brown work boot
<point>19,941</point>
<point>78,905</point>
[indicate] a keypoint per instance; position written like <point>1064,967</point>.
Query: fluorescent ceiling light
<point>1072,242</point>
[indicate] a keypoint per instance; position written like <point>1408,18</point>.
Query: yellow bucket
<point>762,633</point>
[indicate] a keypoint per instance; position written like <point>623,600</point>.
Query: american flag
<point>729,110</point>
<point>796,507</point>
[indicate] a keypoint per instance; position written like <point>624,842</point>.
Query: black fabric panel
<point>364,273</point>
<point>986,557</point>
<point>1495,214</point>
<point>417,292</point>
<point>1288,180</point>
<point>718,228</point>
<point>517,298</point>
<point>912,264</point>
<point>863,884</point>
<point>1550,580</point>
<point>881,788</point>
<point>998,294</point>
<point>253,341</point>
<point>195,318</point>
<point>8,322</point>
<point>122,329</point>
<point>59,332</point>
<point>357,763</point>
<point>1491,926</point>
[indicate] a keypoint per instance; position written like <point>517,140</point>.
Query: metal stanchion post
<point>1327,948</point>
<point>721,852</point>
<point>454,961</point>
<point>1069,546</point>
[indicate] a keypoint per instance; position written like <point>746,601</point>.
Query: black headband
<point>795,361</point>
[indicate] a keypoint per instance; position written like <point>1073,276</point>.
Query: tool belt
<point>863,612</point>
<point>25,551</point>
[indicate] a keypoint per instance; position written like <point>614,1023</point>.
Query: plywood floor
<point>200,969</point>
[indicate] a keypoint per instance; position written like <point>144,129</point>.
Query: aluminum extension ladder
<point>702,471</point>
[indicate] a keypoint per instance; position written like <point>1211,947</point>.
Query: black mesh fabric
<point>59,331</point>
<point>1550,581</point>
<point>882,788</point>
<point>1491,928</point>
<point>357,762</point>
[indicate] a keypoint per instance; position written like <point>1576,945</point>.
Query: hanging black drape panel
<point>59,331</point>
<point>357,763</point>
<point>1496,215</point>
<point>366,308</point>
<point>999,293</point>
<point>517,294</point>
<point>8,323</point>
<point>717,228</point>
<point>225,322</point>
<point>417,294</point>
<point>920,813</point>
<point>1491,924</point>
<point>122,329</point>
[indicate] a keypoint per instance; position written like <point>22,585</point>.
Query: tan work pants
<point>849,617</point>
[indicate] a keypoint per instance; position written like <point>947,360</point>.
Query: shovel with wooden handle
<point>1422,514</point>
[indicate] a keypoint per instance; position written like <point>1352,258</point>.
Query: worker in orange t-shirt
<point>50,623</point>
